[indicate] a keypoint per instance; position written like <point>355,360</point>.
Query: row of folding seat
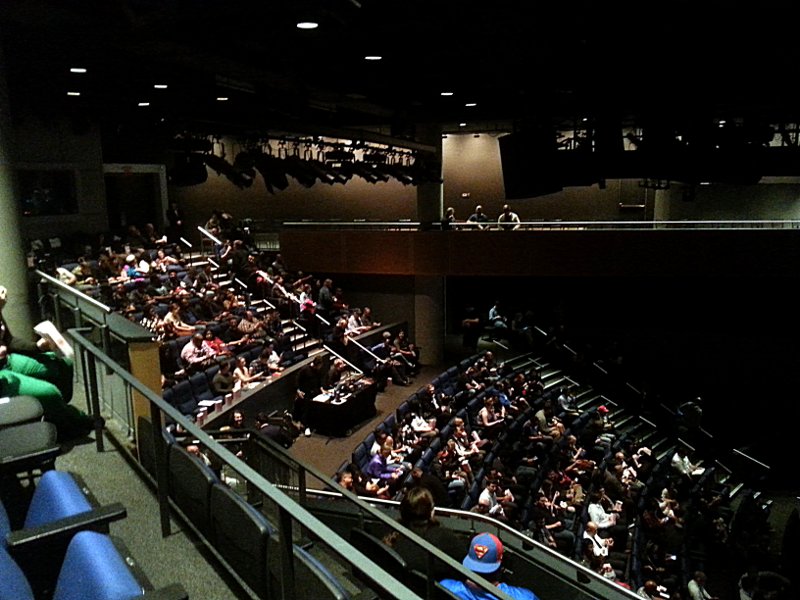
<point>238,532</point>
<point>54,536</point>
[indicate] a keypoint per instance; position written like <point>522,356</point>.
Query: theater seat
<point>28,447</point>
<point>17,410</point>
<point>95,567</point>
<point>240,534</point>
<point>60,506</point>
<point>190,483</point>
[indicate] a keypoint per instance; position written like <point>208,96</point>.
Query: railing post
<point>301,484</point>
<point>94,401</point>
<point>286,554</point>
<point>162,478</point>
<point>105,343</point>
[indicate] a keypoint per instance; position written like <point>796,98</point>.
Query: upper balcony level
<point>547,248</point>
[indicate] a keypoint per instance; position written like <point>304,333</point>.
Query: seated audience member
<point>388,365</point>
<point>548,423</point>
<point>496,502</point>
<point>598,554</point>
<point>267,363</point>
<point>491,418</point>
<point>219,347</point>
<point>197,354</point>
<point>175,322</point>
<point>607,516</point>
<point>223,381</point>
<point>367,320</point>
<point>242,377</point>
<point>697,587</point>
<point>416,514</point>
<point>36,369</point>
<point>232,336</point>
<point>251,326</point>
<point>430,482</point>
<point>379,468</point>
<point>485,557</point>
<point>682,465</point>
<point>553,518</point>
<point>568,404</point>
<point>355,326</point>
<point>408,351</point>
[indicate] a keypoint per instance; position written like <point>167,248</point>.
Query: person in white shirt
<point>197,353</point>
<point>508,219</point>
<point>697,587</point>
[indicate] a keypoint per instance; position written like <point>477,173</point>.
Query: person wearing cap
<point>485,557</point>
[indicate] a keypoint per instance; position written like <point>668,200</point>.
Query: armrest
<point>173,591</point>
<point>28,462</point>
<point>25,541</point>
<point>39,551</point>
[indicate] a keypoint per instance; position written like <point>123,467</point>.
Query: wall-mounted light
<point>307,25</point>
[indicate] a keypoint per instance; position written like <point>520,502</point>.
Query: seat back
<point>382,555</point>
<point>57,496</point>
<point>240,533</point>
<point>15,585</point>
<point>190,483</point>
<point>20,409</point>
<point>314,580</point>
<point>94,569</point>
<point>144,441</point>
<point>201,390</point>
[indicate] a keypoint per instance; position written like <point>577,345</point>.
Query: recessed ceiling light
<point>373,57</point>
<point>160,86</point>
<point>222,98</point>
<point>470,104</point>
<point>143,104</point>
<point>73,93</point>
<point>447,93</point>
<point>307,25</point>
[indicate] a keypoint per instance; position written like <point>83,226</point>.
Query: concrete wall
<point>57,145</point>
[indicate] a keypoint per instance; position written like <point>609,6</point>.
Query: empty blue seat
<point>183,398</point>
<point>201,390</point>
<point>240,534</point>
<point>190,482</point>
<point>93,568</point>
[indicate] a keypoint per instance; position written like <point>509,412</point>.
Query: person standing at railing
<point>479,218</point>
<point>508,219</point>
<point>33,369</point>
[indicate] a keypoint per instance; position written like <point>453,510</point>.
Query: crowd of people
<point>234,304</point>
<point>496,442</point>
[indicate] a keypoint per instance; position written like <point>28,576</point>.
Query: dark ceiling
<point>520,62</point>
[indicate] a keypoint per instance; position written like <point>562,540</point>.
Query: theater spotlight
<point>272,171</point>
<point>223,167</point>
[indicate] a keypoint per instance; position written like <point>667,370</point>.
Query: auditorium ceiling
<point>245,66</point>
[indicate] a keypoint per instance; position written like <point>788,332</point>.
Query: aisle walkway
<point>178,558</point>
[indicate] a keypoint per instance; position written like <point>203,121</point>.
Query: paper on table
<point>48,331</point>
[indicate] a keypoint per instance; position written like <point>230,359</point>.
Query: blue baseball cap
<point>485,553</point>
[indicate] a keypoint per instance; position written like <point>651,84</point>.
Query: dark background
<point>731,341</point>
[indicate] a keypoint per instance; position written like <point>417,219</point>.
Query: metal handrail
<point>556,225</point>
<point>288,509</point>
<point>75,292</point>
